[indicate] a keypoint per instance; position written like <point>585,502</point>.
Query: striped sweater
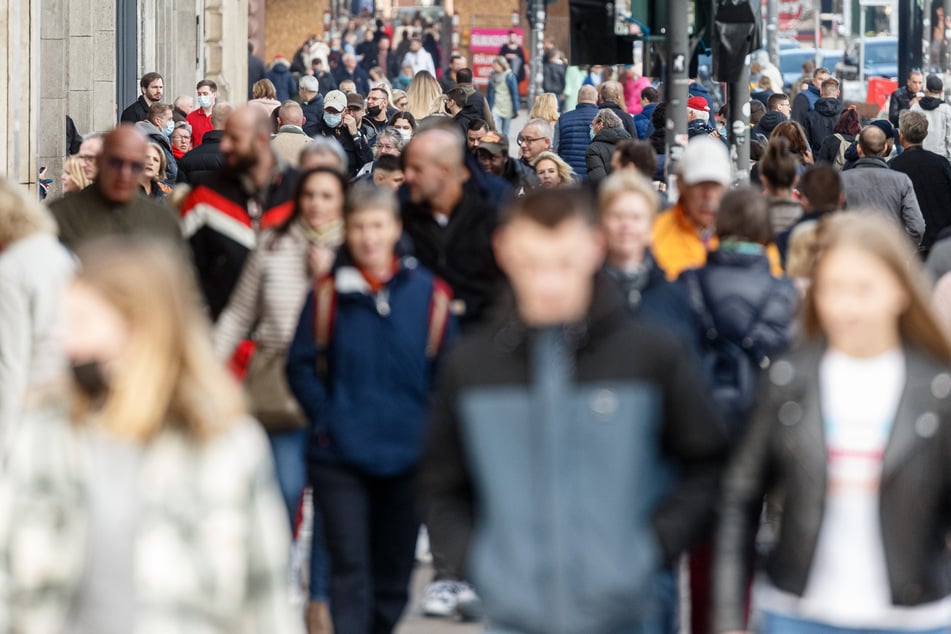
<point>271,291</point>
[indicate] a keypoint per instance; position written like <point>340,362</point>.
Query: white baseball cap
<point>336,100</point>
<point>705,160</point>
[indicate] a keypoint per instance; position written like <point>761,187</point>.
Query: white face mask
<point>406,134</point>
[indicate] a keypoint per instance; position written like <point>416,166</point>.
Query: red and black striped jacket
<point>222,221</point>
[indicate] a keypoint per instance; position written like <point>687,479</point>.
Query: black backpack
<point>732,368</point>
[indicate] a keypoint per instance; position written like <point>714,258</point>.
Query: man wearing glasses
<point>535,138</point>
<point>89,151</point>
<point>112,205</point>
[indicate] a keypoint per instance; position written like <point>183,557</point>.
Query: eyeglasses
<point>85,158</point>
<point>118,164</point>
<point>524,140</point>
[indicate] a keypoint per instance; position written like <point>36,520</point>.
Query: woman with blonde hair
<point>850,439</point>
<point>545,107</point>
<point>502,95</point>
<point>34,270</point>
<point>400,100</point>
<point>152,176</point>
<point>422,92</point>
<point>74,179</point>
<point>141,497</point>
<point>552,171</point>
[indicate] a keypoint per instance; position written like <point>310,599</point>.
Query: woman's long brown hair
<point>881,238</point>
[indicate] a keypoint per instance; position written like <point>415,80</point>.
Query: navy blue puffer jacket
<point>573,136</point>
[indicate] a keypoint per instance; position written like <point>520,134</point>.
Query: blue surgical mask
<point>722,130</point>
<point>204,101</point>
<point>169,128</point>
<point>333,120</point>
<point>591,132</point>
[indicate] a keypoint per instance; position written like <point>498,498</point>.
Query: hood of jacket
<point>930,103</point>
<point>281,67</point>
<point>828,107</point>
<point>611,135</point>
<point>769,122</point>
<point>150,130</point>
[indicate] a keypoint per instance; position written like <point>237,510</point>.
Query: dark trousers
<point>371,525</point>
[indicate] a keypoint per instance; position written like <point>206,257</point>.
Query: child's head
<point>373,226</point>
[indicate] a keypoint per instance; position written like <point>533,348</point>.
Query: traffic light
<point>736,34</point>
<point>592,34</point>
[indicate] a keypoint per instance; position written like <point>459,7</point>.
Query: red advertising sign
<point>484,44</point>
<point>790,12</point>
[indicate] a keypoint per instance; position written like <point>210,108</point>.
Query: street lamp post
<point>678,80</point>
<point>537,75</point>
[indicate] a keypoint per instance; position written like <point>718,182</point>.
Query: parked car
<point>881,59</point>
<point>790,62</point>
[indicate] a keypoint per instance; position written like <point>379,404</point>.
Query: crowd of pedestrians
<point>594,389</point>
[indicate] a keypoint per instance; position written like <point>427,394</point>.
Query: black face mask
<point>90,379</point>
<point>374,111</point>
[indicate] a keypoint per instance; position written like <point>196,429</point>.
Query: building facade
<point>84,58</point>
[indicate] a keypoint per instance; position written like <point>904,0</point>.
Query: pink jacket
<point>632,93</point>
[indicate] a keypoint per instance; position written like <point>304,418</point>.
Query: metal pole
<point>862,11</point>
<point>739,116</point>
<point>817,23</point>
<point>944,33</point>
<point>678,63</point>
<point>537,68</point>
<point>772,31</point>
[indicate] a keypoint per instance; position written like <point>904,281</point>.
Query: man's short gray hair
<point>608,119</point>
<point>544,128</point>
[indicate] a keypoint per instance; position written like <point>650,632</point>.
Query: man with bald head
<point>222,217</point>
<point>112,205</point>
<point>201,162</point>
<point>450,220</point>
<point>290,138</point>
<point>573,130</point>
<point>872,185</point>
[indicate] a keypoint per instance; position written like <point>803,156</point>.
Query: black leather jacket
<point>784,450</point>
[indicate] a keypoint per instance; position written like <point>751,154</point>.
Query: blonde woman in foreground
<point>139,496</point>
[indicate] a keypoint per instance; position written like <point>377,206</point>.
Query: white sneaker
<point>441,599</point>
<point>468,603</point>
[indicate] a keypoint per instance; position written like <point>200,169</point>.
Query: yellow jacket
<point>678,245</point>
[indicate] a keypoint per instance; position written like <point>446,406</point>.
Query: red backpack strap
<point>325,310</point>
<point>438,316</point>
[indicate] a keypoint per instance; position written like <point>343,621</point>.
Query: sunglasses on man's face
<point>119,165</point>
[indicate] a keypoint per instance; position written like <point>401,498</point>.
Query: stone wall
<point>19,89</point>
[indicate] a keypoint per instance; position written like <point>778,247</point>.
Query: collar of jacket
<point>923,384</point>
<point>871,161</point>
<point>606,305</point>
<point>684,223</point>
<point>292,129</point>
<point>726,256</point>
<point>348,280</point>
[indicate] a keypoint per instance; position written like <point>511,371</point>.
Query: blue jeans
<point>781,624</point>
<point>502,125</point>
<point>289,449</point>
<point>372,525</point>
